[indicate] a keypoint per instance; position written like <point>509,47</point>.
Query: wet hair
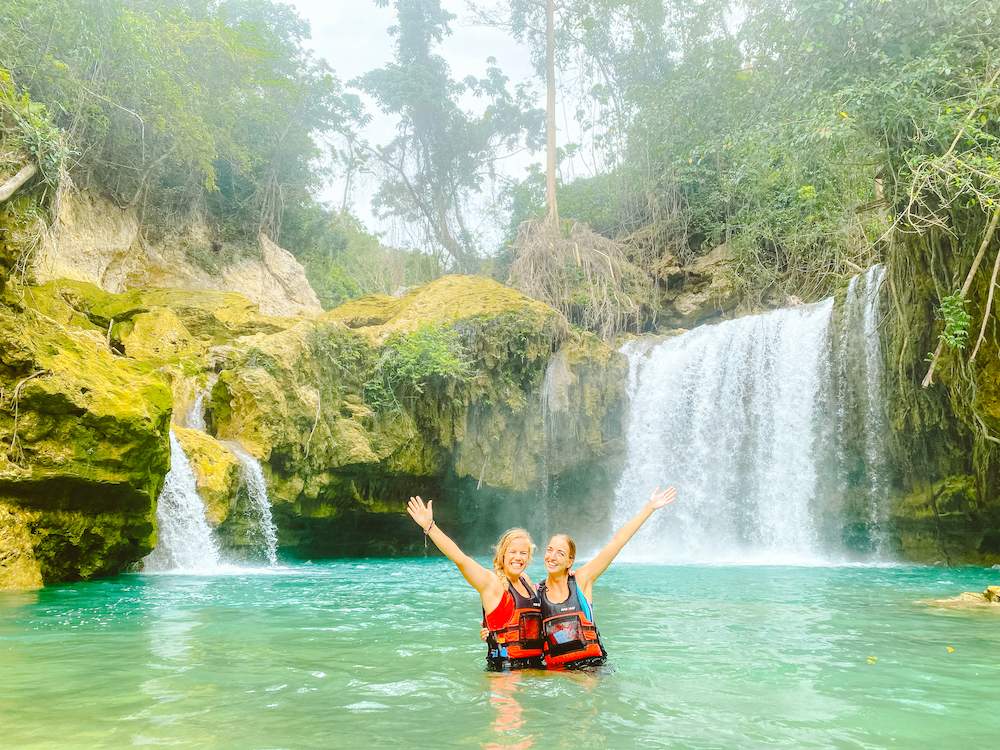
<point>501,548</point>
<point>569,543</point>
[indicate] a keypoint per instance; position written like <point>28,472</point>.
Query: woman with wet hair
<point>511,610</point>
<point>571,638</point>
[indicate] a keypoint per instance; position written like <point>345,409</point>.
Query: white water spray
<point>195,416</point>
<point>258,504</point>
<point>184,539</point>
<point>863,420</point>
<point>726,414</point>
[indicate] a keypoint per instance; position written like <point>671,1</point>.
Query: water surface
<point>385,654</point>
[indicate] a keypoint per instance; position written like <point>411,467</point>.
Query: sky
<point>352,38</point>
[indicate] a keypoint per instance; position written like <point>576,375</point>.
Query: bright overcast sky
<point>352,38</point>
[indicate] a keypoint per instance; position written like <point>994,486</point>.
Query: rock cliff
<point>349,412</point>
<point>94,240</point>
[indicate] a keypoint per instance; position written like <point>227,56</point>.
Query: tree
<point>522,18</point>
<point>171,105</point>
<point>441,157</point>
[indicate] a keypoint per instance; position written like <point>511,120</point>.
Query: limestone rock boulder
<point>700,290</point>
<point>86,449</point>
<point>988,598</point>
<point>343,391</point>
<point>95,241</point>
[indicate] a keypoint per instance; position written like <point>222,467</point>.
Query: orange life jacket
<point>515,627</point>
<point>570,633</point>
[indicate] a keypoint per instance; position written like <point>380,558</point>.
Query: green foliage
<point>442,156</point>
<point>26,134</point>
<point>254,357</point>
<point>412,363</point>
<point>180,104</point>
<point>956,321</point>
<point>344,261</point>
<point>343,351</point>
<point>27,127</point>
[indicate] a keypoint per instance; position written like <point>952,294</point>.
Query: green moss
<point>370,310</point>
<point>87,453</point>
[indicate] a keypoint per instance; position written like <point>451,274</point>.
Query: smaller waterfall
<point>195,417</point>
<point>864,426</point>
<point>258,506</point>
<point>184,539</point>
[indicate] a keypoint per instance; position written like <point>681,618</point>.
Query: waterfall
<point>195,416</point>
<point>863,425</point>
<point>184,539</point>
<point>554,397</point>
<point>727,414</point>
<point>258,506</point>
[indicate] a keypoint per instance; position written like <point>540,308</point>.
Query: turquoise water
<point>386,654</point>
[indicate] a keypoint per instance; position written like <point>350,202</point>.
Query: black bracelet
<point>428,529</point>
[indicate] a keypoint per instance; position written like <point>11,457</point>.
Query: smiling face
<point>516,557</point>
<point>513,553</point>
<point>559,555</point>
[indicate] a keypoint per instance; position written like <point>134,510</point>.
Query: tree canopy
<point>795,132</point>
<point>442,155</point>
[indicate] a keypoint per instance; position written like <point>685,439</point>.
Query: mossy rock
<point>296,398</point>
<point>53,301</point>
<point>157,337</point>
<point>97,306</point>
<point>446,301</point>
<point>953,495</point>
<point>946,523</point>
<point>19,568</point>
<point>216,316</point>
<point>212,317</point>
<point>370,310</point>
<point>216,471</point>
<point>87,445</point>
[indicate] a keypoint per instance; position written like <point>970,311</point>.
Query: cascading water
<point>262,530</point>
<point>863,426</point>
<point>195,416</point>
<point>555,409</point>
<point>727,414</point>
<point>184,540</point>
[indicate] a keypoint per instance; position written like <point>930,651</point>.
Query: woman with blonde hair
<point>511,609</point>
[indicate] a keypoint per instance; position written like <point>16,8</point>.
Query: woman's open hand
<point>422,513</point>
<point>658,499</point>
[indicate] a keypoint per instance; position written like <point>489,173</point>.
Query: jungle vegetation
<point>803,134</point>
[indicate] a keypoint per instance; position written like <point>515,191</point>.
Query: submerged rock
<point>988,598</point>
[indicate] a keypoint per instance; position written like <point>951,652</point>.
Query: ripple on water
<point>705,656</point>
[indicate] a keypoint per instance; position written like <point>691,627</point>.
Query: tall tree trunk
<point>550,113</point>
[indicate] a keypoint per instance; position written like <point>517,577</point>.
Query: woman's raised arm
<point>587,574</point>
<point>482,580</point>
